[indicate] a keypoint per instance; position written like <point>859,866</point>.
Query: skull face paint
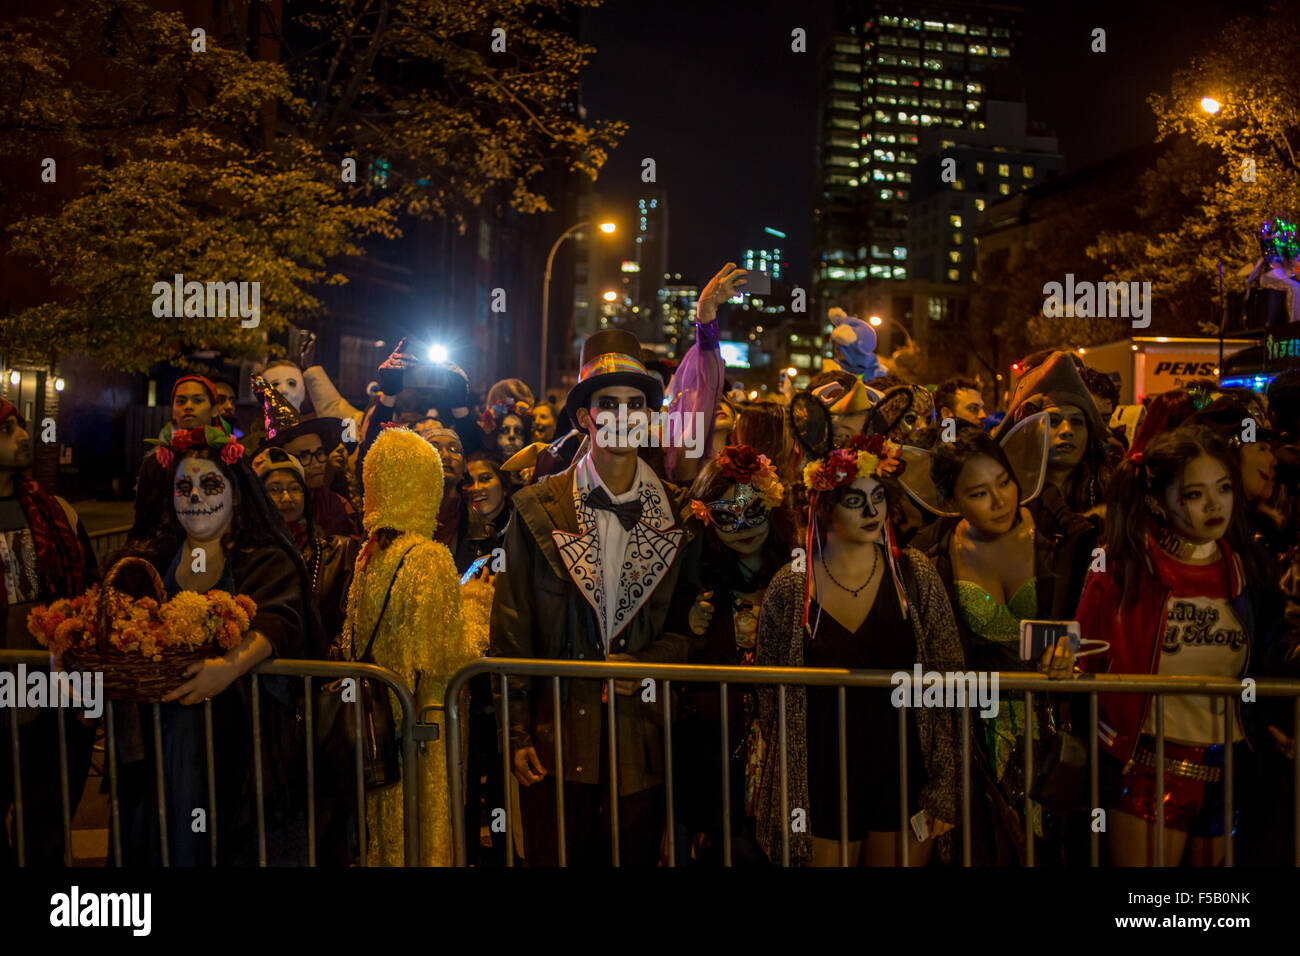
<point>202,498</point>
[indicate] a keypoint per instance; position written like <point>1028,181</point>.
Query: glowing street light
<point>876,320</point>
<point>59,384</point>
<point>792,371</point>
<point>605,227</point>
<point>1210,105</point>
<point>611,295</point>
<point>15,377</point>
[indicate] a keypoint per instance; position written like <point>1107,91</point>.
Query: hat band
<point>611,362</point>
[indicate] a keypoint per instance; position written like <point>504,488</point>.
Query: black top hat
<point>612,357</point>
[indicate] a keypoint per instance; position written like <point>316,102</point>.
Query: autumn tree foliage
<point>225,157</point>
<point>1225,172</point>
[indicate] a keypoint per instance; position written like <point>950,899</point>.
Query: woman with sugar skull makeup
<point>220,531</point>
<point>863,603</point>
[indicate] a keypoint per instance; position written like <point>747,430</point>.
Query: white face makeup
<point>287,380</point>
<point>202,498</point>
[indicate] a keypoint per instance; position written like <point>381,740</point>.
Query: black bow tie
<point>629,513</point>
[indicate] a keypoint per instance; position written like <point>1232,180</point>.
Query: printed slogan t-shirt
<point>22,587</point>
<point>1202,637</point>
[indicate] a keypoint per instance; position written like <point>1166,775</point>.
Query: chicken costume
<point>421,637</point>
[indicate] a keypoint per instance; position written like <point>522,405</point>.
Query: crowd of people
<point>864,522</point>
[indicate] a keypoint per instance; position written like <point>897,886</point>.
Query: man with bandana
<point>592,560</point>
<point>45,554</point>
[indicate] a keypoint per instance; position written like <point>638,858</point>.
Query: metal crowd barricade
<point>107,540</point>
<point>1026,684</point>
<point>308,670</point>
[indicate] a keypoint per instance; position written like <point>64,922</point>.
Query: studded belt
<point>1181,768</point>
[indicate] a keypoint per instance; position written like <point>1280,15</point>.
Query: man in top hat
<point>310,440</point>
<point>592,557</point>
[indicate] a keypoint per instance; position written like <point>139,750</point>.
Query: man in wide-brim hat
<point>592,558</point>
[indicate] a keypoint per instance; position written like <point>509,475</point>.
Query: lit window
<point>886,194</point>
<point>957,28</point>
<point>935,45</point>
<point>979,168</point>
<point>972,106</point>
<point>900,252</point>
<point>900,272</point>
<point>933,64</point>
<point>954,275</point>
<point>933,26</point>
<point>974,88</point>
<point>979,31</point>
<point>956,238</point>
<point>1001,51</point>
<point>1027,172</point>
<point>959,184</point>
<point>954,255</point>
<point>954,221</point>
<point>979,205</point>
<point>1004,189</point>
<point>889,21</point>
<point>956,48</point>
<point>1004,170</point>
<point>979,49</point>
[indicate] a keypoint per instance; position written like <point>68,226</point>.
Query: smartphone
<point>920,826</point>
<point>1038,636</point>
<point>757,283</point>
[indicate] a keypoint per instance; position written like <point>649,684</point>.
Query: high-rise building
<point>651,257</point>
<point>768,255</point>
<point>892,70</point>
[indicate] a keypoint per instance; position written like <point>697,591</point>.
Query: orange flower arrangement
<point>142,625</point>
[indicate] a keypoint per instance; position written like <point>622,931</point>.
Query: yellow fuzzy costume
<point>421,636</point>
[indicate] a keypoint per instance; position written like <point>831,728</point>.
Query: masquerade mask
<point>203,499</point>
<point>740,513</point>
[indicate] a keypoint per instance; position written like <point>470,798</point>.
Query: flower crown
<point>494,415</point>
<point>185,439</point>
<point>865,457</point>
<point>744,466</point>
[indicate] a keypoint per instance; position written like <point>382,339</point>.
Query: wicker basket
<point>129,676</point>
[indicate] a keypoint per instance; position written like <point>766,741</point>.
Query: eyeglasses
<point>291,492</point>
<point>320,454</point>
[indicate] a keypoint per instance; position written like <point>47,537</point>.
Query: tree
<point>221,167</point>
<point>1206,199</point>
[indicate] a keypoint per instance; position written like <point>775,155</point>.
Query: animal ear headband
<point>1026,446</point>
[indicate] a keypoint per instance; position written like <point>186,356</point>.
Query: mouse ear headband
<point>1026,446</point>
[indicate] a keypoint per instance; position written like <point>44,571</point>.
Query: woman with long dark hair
<point>1000,567</point>
<point>1181,595</point>
<point>862,603</point>
<point>219,531</point>
<point>747,531</point>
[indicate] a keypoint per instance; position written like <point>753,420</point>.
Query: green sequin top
<point>997,626</point>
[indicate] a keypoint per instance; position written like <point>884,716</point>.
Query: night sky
<point>713,93</point>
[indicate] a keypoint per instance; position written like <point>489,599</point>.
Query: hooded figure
<point>420,635</point>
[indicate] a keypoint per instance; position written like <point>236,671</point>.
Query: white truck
<point>1148,366</point>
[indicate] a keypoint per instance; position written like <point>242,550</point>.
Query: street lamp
<point>1210,105</point>
<point>611,295</point>
<point>605,227</point>
<point>877,321</point>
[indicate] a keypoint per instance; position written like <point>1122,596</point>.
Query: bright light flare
<point>1210,105</point>
<point>607,227</point>
<point>876,320</point>
<point>437,353</point>
<point>611,296</point>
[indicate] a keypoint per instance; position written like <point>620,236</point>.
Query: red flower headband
<point>205,436</point>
